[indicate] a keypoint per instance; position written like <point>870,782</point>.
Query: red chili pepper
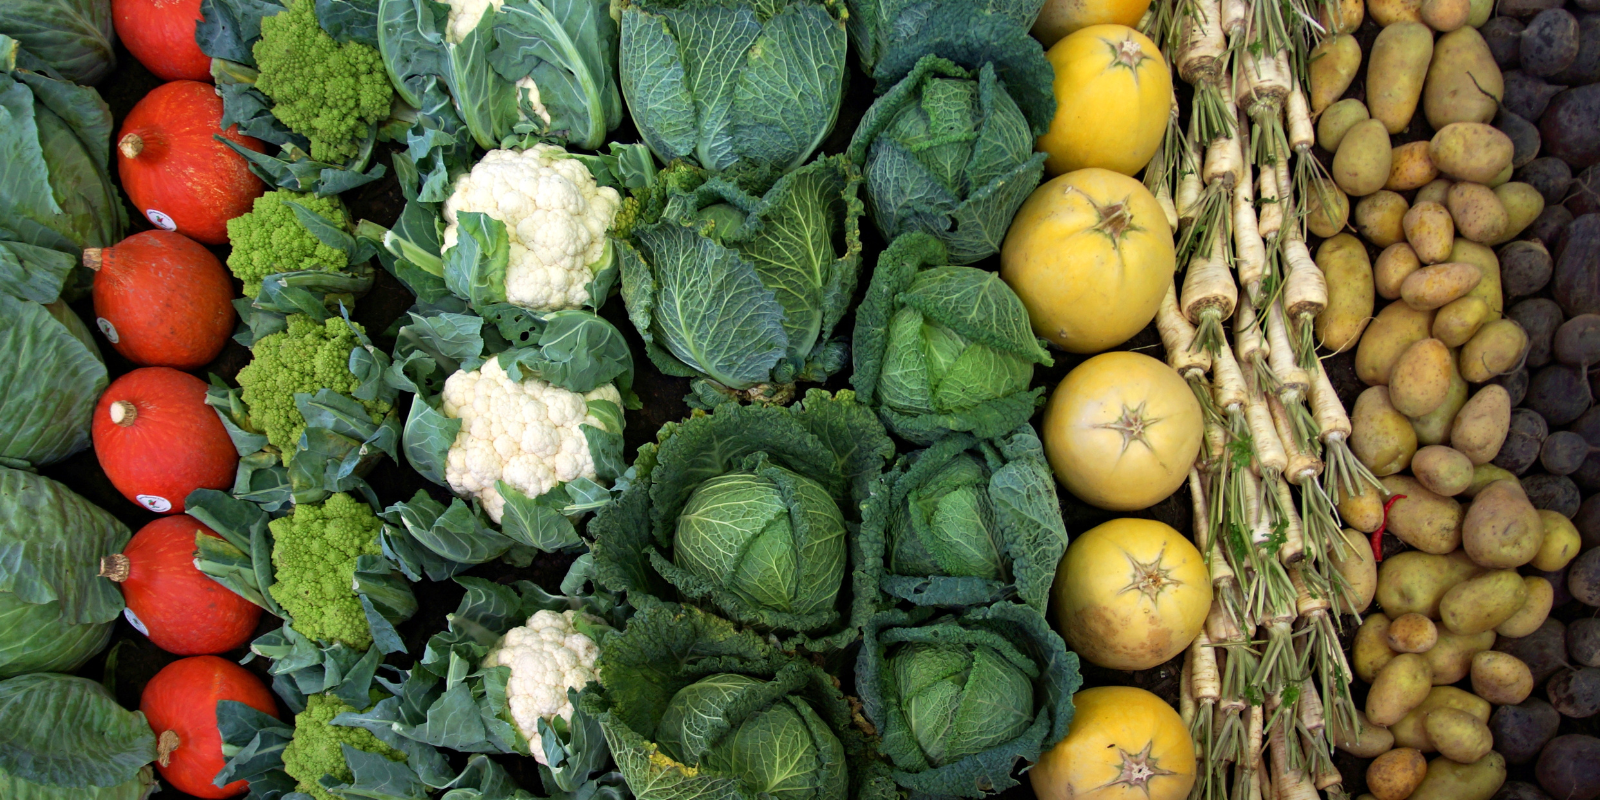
<point>1377,535</point>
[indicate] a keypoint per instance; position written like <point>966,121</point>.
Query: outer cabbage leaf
<point>948,153</point>
<point>73,36</point>
<point>746,84</point>
<point>37,640</point>
<point>834,441</point>
<point>1016,630</point>
<point>139,787</point>
<point>50,380</point>
<point>51,543</point>
<point>58,730</point>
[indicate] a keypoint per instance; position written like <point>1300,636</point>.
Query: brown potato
<point>1533,612</point>
<point>1333,66</point>
<point>1338,120</point>
<point>1500,678</point>
<point>1411,633</point>
<point>1448,780</point>
<point>1411,168</point>
<point>1485,474</point>
<point>1381,437</point>
<point>1434,427</point>
<point>1463,81</point>
<point>1435,191</point>
<point>1451,656</point>
<point>1397,68</point>
<point>1560,543</point>
<point>1502,530</point>
<point>1482,602</point>
<point>1367,741</point>
<point>1457,322</point>
<point>1380,217</point>
<point>1411,731</point>
<point>1445,16</point>
<point>1395,328</point>
<point>1363,510</point>
<point>1359,569</point>
<point>1361,164</point>
<point>1394,264</point>
<point>1474,152</point>
<point>1388,12</point>
<point>1414,581</point>
<point>1477,212</point>
<point>1523,205</point>
<point>1435,286</point>
<point>1396,774</point>
<point>1470,252</point>
<point>1497,348</point>
<point>1369,651</point>
<point>1480,427</point>
<point>1430,231</point>
<point>1348,273</point>
<point>1459,736</point>
<point>1421,378</point>
<point>1327,208</point>
<point>1442,470</point>
<point>1401,685</point>
<point>1424,520</point>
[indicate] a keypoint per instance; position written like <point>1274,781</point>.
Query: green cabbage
<point>60,733</point>
<point>39,641</point>
<point>73,36</point>
<point>51,376</point>
<point>941,349</point>
<point>947,152</point>
<point>962,699</point>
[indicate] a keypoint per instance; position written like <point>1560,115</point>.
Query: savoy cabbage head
<point>958,700</point>
<point>942,349</point>
<point>947,152</point>
<point>968,522</point>
<point>752,510</point>
<point>748,84</point>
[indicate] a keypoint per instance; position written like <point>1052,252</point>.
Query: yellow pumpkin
<point>1122,430</point>
<point>1090,254</point>
<point>1131,594</point>
<point>1123,744</point>
<point>1061,17</point>
<point>1113,96</point>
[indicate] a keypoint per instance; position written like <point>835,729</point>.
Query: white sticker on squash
<point>108,329</point>
<point>133,619</point>
<point>154,502</point>
<point>160,220</point>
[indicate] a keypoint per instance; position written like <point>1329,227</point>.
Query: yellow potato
<point>1344,264</point>
<point>1327,208</point>
<point>1363,510</point>
<point>1481,11</point>
<point>1502,176</point>
<point>1448,780</point>
<point>1400,686</point>
<point>1424,520</point>
<point>1411,731</point>
<point>1480,427</point>
<point>1417,581</point>
<point>1463,80</point>
<point>1434,286</point>
<point>1457,322</point>
<point>1367,741</point>
<point>1470,252</point>
<point>1502,530</point>
<point>1445,15</point>
<point>1361,165</point>
<point>1534,610</point>
<point>1397,68</point>
<point>1460,737</point>
<point>1369,652</point>
<point>1451,656</point>
<point>1481,603</point>
<point>1560,543</point>
<point>1430,231</point>
<point>1433,191</point>
<point>1359,569</point>
<point>1442,470</point>
<point>1396,774</point>
<point>1396,327</point>
<point>1412,633</point>
<point>1421,378</point>
<point>1333,66</point>
<point>1342,16</point>
<point>1434,427</point>
<point>1337,121</point>
<point>1395,263</point>
<point>1388,12</point>
<point>1477,212</point>
<point>1500,678</point>
<point>1485,474</point>
<point>1381,437</point>
<point>1497,348</point>
<point>1523,205</point>
<point>1380,217</point>
<point>1470,151</point>
<point>1411,168</point>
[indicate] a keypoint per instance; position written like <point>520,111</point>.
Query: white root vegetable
<point>1209,297</point>
<point>1305,295</point>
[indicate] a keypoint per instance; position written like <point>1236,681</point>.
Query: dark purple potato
<point>1583,577</point>
<point>1525,8</point>
<point>1569,767</point>
<point>1540,317</point>
<point>1544,650</point>
<point>1563,453</point>
<point>1576,280</point>
<point>1583,196</point>
<point>1558,585</point>
<point>1577,341</point>
<point>1515,383</point>
<point>1527,95</point>
<point>1576,693</point>
<point>1523,134</point>
<point>1583,641</point>
<point>1587,5</point>
<point>1550,176</point>
<point>1559,393</point>
<point>1523,440</point>
<point>1586,67</point>
<point>1549,43</point>
<point>1570,126</point>
<point>1551,223</point>
<point>1518,790</point>
<point>1504,36</point>
<point>1525,268</point>
<point>1588,522</point>
<point>1553,493</point>
<point>1521,731</point>
<point>1588,476</point>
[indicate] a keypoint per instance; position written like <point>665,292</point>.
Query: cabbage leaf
<point>64,731</point>
<point>50,379</point>
<point>51,543</point>
<point>73,36</point>
<point>138,787</point>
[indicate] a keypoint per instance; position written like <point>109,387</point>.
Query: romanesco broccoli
<point>270,239</point>
<point>328,92</point>
<point>316,748</point>
<point>308,356</point>
<point>314,554</point>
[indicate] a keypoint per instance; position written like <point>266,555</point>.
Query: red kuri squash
<point>175,174</point>
<point>162,299</point>
<point>181,704</point>
<point>157,440</point>
<point>160,33</point>
<point>179,607</point>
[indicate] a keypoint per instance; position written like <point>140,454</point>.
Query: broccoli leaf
<point>70,732</point>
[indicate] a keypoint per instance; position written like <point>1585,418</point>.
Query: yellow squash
<point>1131,594</point>
<point>1061,17</point>
<point>1091,256</point>
<point>1122,430</point>
<point>1124,744</point>
<point>1113,96</point>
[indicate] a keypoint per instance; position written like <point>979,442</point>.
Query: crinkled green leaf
<point>33,273</point>
<point>73,36</point>
<point>49,383</point>
<point>51,543</point>
<point>65,731</point>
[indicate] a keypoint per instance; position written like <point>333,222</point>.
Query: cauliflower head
<point>270,239</point>
<point>328,92</point>
<point>546,656</point>
<point>314,552</point>
<point>556,218</point>
<point>307,356</point>
<point>463,17</point>
<point>528,434</point>
<point>316,749</point>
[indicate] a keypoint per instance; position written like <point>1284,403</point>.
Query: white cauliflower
<point>546,656</point>
<point>556,217</point>
<point>528,434</point>
<point>463,17</point>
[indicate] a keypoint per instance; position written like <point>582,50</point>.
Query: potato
<point>1369,651</point>
<point>1342,16</point>
<point>1381,437</point>
<point>1481,603</point>
<point>1399,687</point>
<point>1474,152</point>
<point>1521,731</point>
<point>1501,678</point>
<point>1396,774</point>
<point>1480,427</point>
<point>1457,322</point>
<point>1502,176</point>
<point>1348,272</point>
<point>1463,81</point>
<point>1575,693</point>
<point>1411,633</point>
<point>1434,286</point>
<point>1397,68</point>
<point>1392,331</point>
<point>1485,474</point>
<point>1481,11</point>
<point>1414,581</point>
<point>1471,252</point>
<point>1544,650</point>
<point>1495,349</point>
<point>1533,612</point>
<point>1367,741</point>
<point>1333,66</point>
<point>1459,736</point>
<point>1477,212</point>
<point>1362,511</point>
<point>1566,767</point>
<point>1524,441</point>
<point>1434,427</point>
<point>1327,208</point>
<point>1395,263</point>
<point>1583,641</point>
<point>1411,731</point>
<point>1411,168</point>
<point>1559,545</point>
<point>1451,657</point>
<point>1445,15</point>
<point>1435,191</point>
<point>1361,164</point>
<point>1388,12</point>
<point>1442,470</point>
<point>1338,120</point>
<point>1523,205</point>
<point>1380,217</point>
<point>1421,378</point>
<point>1448,780</point>
<point>1502,530</point>
<point>1430,231</point>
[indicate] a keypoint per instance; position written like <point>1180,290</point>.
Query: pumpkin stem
<point>1129,53</point>
<point>94,258</point>
<point>124,413</point>
<point>130,146</point>
<point>1115,220</point>
<point>165,744</point>
<point>1150,578</point>
<point>116,567</point>
<point>1138,769</point>
<point>1133,425</point>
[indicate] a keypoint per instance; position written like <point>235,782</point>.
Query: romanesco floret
<point>316,749</point>
<point>270,239</point>
<point>308,356</point>
<point>328,92</point>
<point>314,554</point>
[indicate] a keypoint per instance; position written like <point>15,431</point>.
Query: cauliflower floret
<point>546,656</point>
<point>528,434</point>
<point>556,218</point>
